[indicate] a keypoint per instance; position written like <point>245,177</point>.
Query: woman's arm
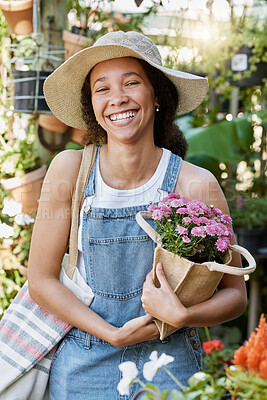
<point>48,245</point>
<point>230,300</point>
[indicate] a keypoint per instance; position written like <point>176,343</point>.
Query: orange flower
<point>252,356</point>
<point>263,368</point>
<point>212,345</point>
<point>253,360</point>
<point>240,357</point>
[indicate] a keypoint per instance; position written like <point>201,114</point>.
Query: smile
<point>122,116</point>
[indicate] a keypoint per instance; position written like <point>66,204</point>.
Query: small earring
<point>157,108</point>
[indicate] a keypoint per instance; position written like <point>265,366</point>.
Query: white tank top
<point>108,197</point>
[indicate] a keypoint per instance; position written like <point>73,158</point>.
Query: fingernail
<point>159,266</point>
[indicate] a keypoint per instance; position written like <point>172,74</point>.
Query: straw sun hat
<point>62,88</point>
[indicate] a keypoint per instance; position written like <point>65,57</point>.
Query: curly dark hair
<point>166,132</point>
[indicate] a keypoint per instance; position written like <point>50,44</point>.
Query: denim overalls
<point>118,255</point>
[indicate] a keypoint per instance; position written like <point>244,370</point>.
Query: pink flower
<point>230,232</point>
<point>206,209</point>
<point>165,200</point>
<point>184,200</point>
<point>186,220</point>
<point>204,220</point>
<point>222,243</point>
<point>182,210</point>
<point>152,207</point>
<point>181,230</point>
<point>176,203</point>
<point>195,220</point>
<point>179,202</point>
<point>186,239</point>
<point>170,197</point>
<point>217,211</point>
<point>198,231</point>
<point>226,219</point>
<point>157,215</point>
<point>210,230</point>
<point>220,229</point>
<point>166,209</point>
<point>194,208</point>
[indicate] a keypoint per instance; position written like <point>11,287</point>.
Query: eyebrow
<point>125,75</point>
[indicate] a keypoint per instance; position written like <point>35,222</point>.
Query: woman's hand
<point>162,303</point>
<point>137,330</point>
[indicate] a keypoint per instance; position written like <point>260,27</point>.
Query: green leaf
<point>177,395</point>
<point>164,394</point>
<point>226,141</point>
<point>153,387</point>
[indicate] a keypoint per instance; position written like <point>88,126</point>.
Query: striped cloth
<point>29,333</point>
<point>28,336</point>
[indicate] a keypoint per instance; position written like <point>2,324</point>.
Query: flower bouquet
<point>247,379</point>
<point>193,245</point>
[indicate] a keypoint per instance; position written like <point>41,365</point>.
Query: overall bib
<point>117,256</point>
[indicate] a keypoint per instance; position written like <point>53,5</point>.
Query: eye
<point>132,83</point>
<point>101,89</point>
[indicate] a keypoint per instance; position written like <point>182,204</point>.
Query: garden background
<point>224,40</point>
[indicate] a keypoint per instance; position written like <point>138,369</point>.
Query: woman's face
<point>123,100</point>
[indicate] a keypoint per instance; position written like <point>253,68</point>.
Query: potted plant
<point>18,14</point>
<point>250,220</point>
<point>75,38</point>
<point>90,20</point>
<point>20,170</point>
<point>30,66</point>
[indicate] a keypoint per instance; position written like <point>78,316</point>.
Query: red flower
<point>212,345</point>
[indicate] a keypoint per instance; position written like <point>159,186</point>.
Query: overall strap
<point>90,188</point>
<point>172,173</point>
<point>86,167</point>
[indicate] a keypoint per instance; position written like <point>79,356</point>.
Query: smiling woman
<point>119,91</point>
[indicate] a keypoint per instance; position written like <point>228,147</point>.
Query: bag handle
<point>212,265</point>
<point>86,168</point>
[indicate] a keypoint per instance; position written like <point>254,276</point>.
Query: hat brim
<point>62,89</point>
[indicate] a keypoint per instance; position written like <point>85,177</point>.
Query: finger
<point>161,276</point>
<point>149,277</point>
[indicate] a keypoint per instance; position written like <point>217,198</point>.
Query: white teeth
<point>126,115</point>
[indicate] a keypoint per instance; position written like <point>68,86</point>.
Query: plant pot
<point>73,43</point>
<point>28,91</point>
<point>26,190</point>
<point>18,14</point>
<point>77,135</point>
<point>79,31</point>
<point>52,123</point>
<point>252,239</point>
<point>240,63</point>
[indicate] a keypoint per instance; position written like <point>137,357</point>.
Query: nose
<point>118,97</point>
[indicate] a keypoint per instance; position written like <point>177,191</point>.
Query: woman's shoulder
<point>197,183</point>
<point>192,171</point>
<point>67,162</point>
<point>64,169</point>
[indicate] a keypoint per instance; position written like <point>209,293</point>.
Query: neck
<point>127,167</point>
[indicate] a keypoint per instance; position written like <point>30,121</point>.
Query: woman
<point>119,90</point>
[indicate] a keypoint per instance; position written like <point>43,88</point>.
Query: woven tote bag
<point>28,333</point>
<point>193,283</point>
